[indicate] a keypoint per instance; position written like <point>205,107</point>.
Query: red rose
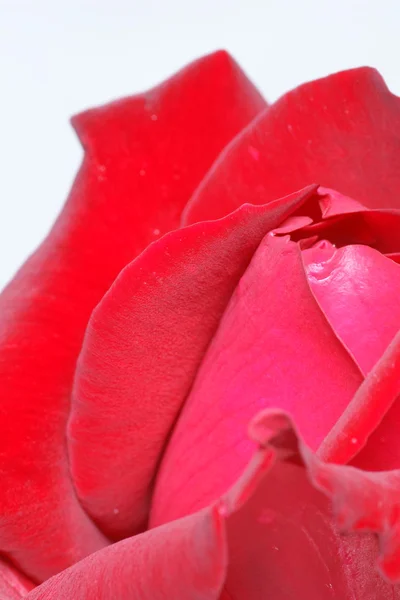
<point>189,303</point>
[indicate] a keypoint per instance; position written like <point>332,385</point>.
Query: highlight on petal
<point>141,353</point>
<point>358,289</point>
<point>13,585</point>
<point>342,130</point>
<point>253,362</point>
<point>144,157</point>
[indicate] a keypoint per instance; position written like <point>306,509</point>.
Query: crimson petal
<point>144,157</point>
<point>342,131</point>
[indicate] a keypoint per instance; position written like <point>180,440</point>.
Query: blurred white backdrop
<point>57,58</point>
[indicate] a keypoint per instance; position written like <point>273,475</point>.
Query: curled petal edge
<point>362,501</point>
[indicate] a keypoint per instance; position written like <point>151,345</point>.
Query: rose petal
<point>182,560</point>
<point>273,347</point>
<point>271,535</point>
<point>376,228</point>
<point>365,412</point>
<point>13,585</point>
<point>394,256</point>
<point>299,519</point>
<point>333,203</point>
<point>381,450</point>
<point>144,157</point>
<point>342,131</point>
<point>142,349</point>
<point>358,290</point>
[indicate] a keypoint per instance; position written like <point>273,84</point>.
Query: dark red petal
<point>395,256</point>
<point>273,348</point>
<point>342,131</point>
<point>365,412</point>
<point>358,290</point>
<point>184,560</point>
<point>13,585</point>
<point>142,349</point>
<point>144,157</point>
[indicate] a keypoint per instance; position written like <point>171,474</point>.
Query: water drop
<point>254,153</point>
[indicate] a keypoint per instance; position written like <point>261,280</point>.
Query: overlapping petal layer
<point>273,348</point>
<point>276,520</point>
<point>144,157</point>
<point>13,585</point>
<point>143,347</point>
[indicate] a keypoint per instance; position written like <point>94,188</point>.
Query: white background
<point>58,57</point>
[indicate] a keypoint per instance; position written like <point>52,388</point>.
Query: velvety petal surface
<point>142,350</point>
<point>342,131</point>
<point>273,348</point>
<point>185,559</point>
<point>143,158</point>
<point>13,585</point>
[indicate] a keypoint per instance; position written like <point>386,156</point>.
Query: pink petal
<point>141,353</point>
<point>382,450</point>
<point>13,585</point>
<point>371,404</point>
<point>273,348</point>
<point>296,549</point>
<point>342,131</point>
<point>144,157</point>
<point>358,289</point>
